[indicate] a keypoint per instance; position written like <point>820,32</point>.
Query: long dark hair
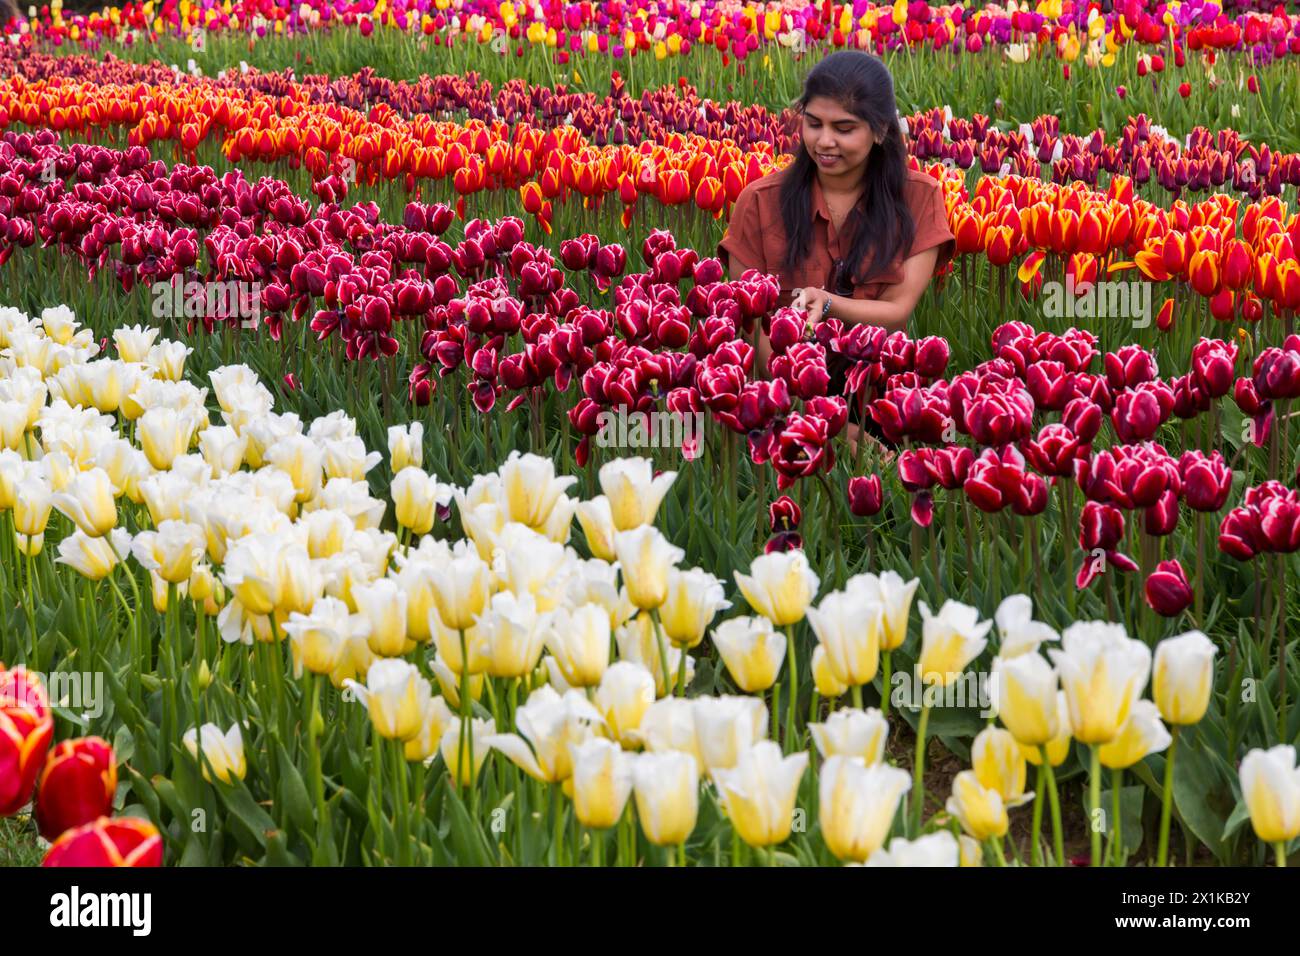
<point>861,84</point>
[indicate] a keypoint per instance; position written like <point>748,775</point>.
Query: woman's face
<point>837,140</point>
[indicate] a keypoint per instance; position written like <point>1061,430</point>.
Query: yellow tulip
<point>978,809</point>
<point>858,805</point>
<point>751,650</point>
<point>1183,677</point>
<point>667,796</point>
<point>758,794</point>
<point>780,586</point>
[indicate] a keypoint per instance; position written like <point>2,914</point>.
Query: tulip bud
<point>780,586</point>
<point>1270,785</point>
<point>78,785</point>
<point>978,809</point>
<point>1183,677</point>
<point>223,754</point>
<point>667,796</point>
<point>602,782</point>
<point>752,652</point>
<point>858,804</point>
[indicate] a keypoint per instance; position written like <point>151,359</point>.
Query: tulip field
<point>335,529</point>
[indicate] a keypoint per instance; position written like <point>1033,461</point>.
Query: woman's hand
<point>813,302</point>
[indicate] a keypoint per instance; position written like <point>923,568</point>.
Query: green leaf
<point>293,792</point>
<point>1204,801</point>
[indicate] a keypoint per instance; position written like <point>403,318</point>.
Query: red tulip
<point>1161,518</point>
<point>866,496</point>
<point>77,785</point>
<point>783,514</point>
<point>26,728</point>
<point>1207,480</point>
<point>125,841</point>
<point>1167,590</point>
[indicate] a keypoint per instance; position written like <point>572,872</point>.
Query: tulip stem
<point>887,667</point>
<point>857,696</point>
<point>681,674</point>
<point>1117,824</point>
<point>1279,852</point>
<point>31,611</point>
<point>465,743</point>
<point>791,655</point>
<point>996,843</point>
<point>1036,828</point>
<point>1054,800</point>
<point>918,771</point>
<point>1166,798</point>
<point>663,653</point>
<point>1094,802</point>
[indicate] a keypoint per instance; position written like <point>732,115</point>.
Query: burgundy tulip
<point>1167,590</point>
<point>783,514</point>
<point>866,496</point>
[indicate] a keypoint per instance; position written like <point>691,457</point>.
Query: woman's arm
<point>892,310</point>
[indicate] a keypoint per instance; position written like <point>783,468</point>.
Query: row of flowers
<point>379,129</point>
<point>269,537</point>
<point>90,200</point>
<point>621,29</point>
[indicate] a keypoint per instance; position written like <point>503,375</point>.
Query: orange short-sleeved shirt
<point>756,235</point>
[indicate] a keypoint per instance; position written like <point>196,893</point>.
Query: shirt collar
<point>819,201</point>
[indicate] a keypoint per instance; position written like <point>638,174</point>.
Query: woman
<point>851,232</point>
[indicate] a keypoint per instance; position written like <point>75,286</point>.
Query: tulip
<point>633,491</point>
<point>669,724</point>
<point>725,727</point>
<point>824,679</point>
<point>694,599</point>
<point>171,551</point>
<point>752,652</point>
<point>223,754</point>
<point>597,522</point>
<point>88,502</point>
<point>417,498</point>
<point>857,805</point>
<point>1183,677</point>
<point>26,729</point>
<point>645,557</point>
<point>999,765</point>
<point>602,782</point>
<point>1020,633</point>
<point>381,609</point>
<point>625,694</point>
<point>1027,698</point>
<point>77,786</point>
<point>1270,785</point>
<point>852,733</point>
<point>758,795</point>
<point>1141,735</point>
<point>531,490</point>
<point>951,639</point>
<point>978,809</point>
<point>395,695</point>
<point>780,586</point>
<point>435,718</point>
<point>93,558</point>
<point>513,634</point>
<point>104,842</point>
<point>461,589</point>
<point>405,446</point>
<point>1102,673</point>
<point>667,796</point>
<point>319,641</point>
<point>133,342</point>
<point>303,460</point>
<point>548,724</point>
<point>848,625</point>
<point>934,849</point>
<point>865,496</point>
<point>895,598</point>
<point>579,641</point>
<point>165,435</point>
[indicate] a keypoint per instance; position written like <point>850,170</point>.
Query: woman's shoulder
<point>765,190</point>
<point>920,187</point>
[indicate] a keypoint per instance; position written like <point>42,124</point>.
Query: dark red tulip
<point>1167,590</point>
<point>1161,518</point>
<point>866,495</point>
<point>783,514</point>
<point>1206,480</point>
